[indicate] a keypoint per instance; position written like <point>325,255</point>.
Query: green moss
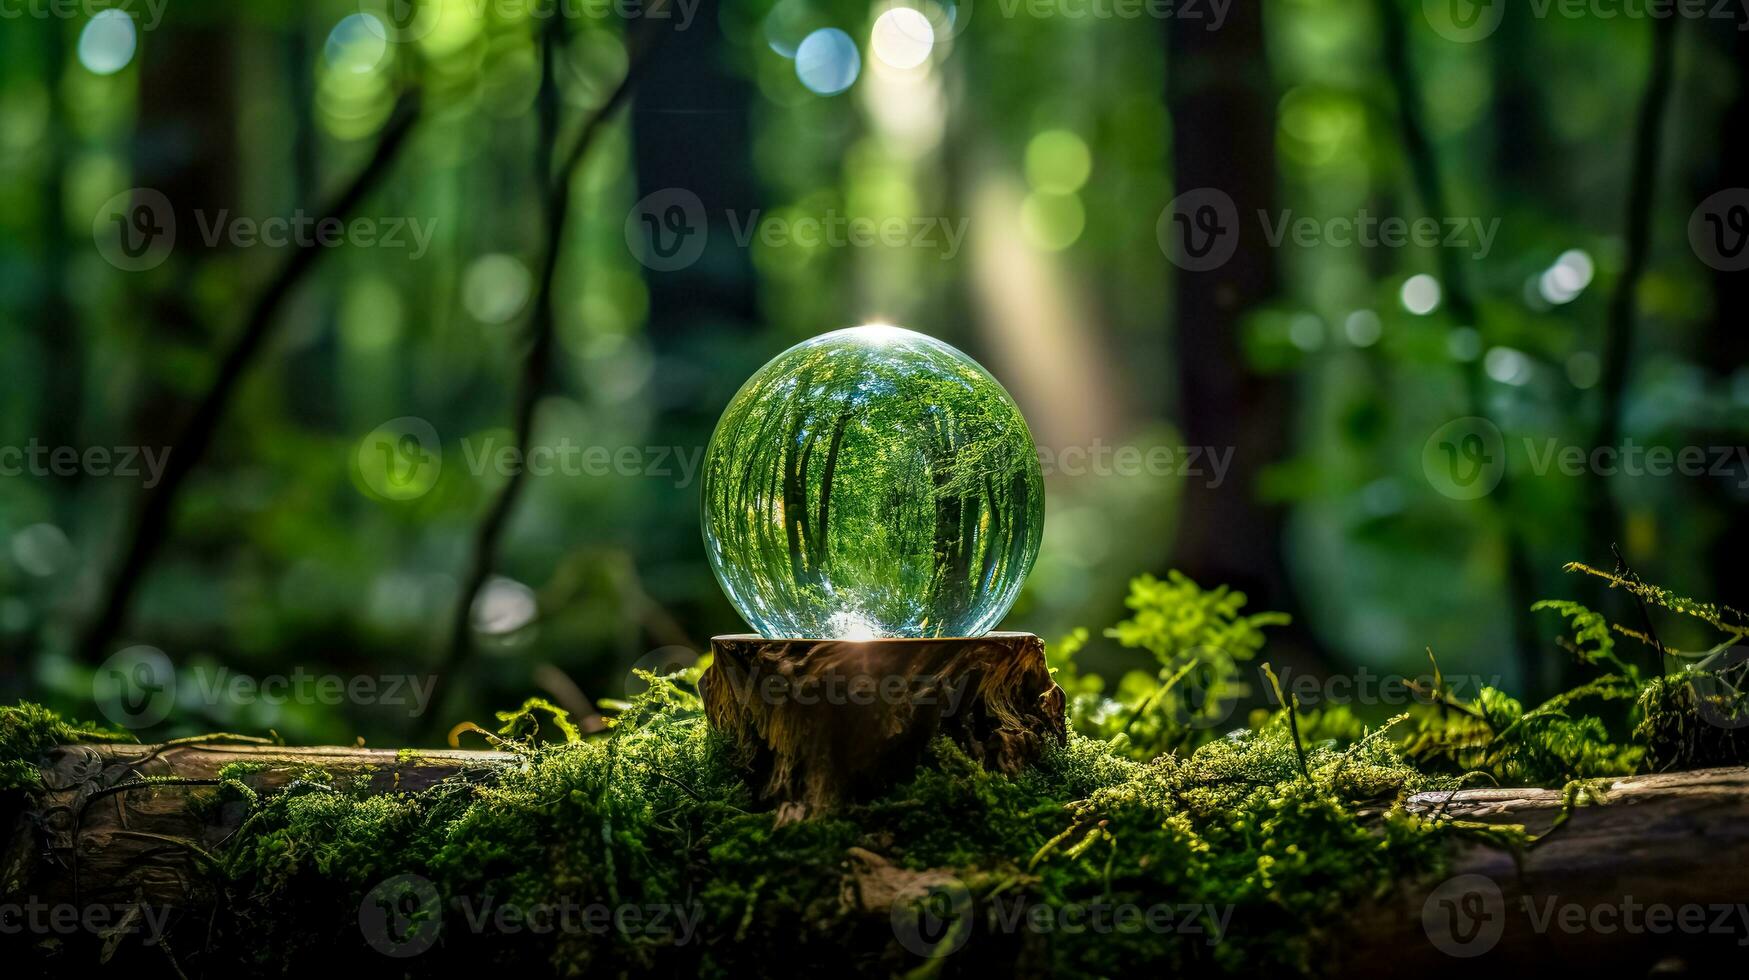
<point>28,731</point>
<point>1257,846</point>
<point>653,816</point>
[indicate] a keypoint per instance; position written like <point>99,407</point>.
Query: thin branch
<point>1424,165</point>
<point>156,507</point>
<point>536,364</point>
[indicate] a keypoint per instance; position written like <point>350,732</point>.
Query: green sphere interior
<point>872,482</point>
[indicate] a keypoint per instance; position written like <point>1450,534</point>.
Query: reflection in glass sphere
<point>872,482</point>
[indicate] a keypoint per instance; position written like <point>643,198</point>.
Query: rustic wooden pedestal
<point>823,722</point>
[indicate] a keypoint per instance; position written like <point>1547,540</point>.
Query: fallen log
<point>1650,873</point>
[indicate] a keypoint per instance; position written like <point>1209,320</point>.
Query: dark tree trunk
<point>1222,106</point>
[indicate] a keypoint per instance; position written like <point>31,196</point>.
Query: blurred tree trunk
<point>1725,342</point>
<point>1223,136</point>
<point>185,147</point>
<point>59,330</point>
<point>316,364</point>
<point>692,131</point>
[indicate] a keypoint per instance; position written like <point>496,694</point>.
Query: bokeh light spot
<point>357,44</point>
<point>1363,328</point>
<point>902,38</point>
<point>495,287</point>
<point>827,61</point>
<point>1057,162</point>
<point>1421,294</point>
<point>107,43</point>
<point>1052,221</point>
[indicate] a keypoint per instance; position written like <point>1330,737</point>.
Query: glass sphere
<point>872,482</point>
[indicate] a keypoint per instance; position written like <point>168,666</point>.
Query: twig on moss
<point>1292,706</point>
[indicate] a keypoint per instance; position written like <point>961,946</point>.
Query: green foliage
<point>1686,719</point>
<point>1545,746</point>
<point>523,724</point>
<point>1697,718</point>
<point>1591,641</point>
<point>1197,639</point>
<point>29,730</point>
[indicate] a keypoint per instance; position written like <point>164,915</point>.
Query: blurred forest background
<point>1054,137</point>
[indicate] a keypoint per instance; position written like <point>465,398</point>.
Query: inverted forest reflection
<point>872,482</point>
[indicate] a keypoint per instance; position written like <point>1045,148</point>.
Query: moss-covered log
<point>115,823</point>
<point>818,723</point>
<point>120,827</point>
<point>1646,875</point>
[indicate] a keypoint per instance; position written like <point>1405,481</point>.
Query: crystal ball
<point>872,482</point>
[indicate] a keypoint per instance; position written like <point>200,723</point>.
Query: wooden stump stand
<point>823,722</point>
